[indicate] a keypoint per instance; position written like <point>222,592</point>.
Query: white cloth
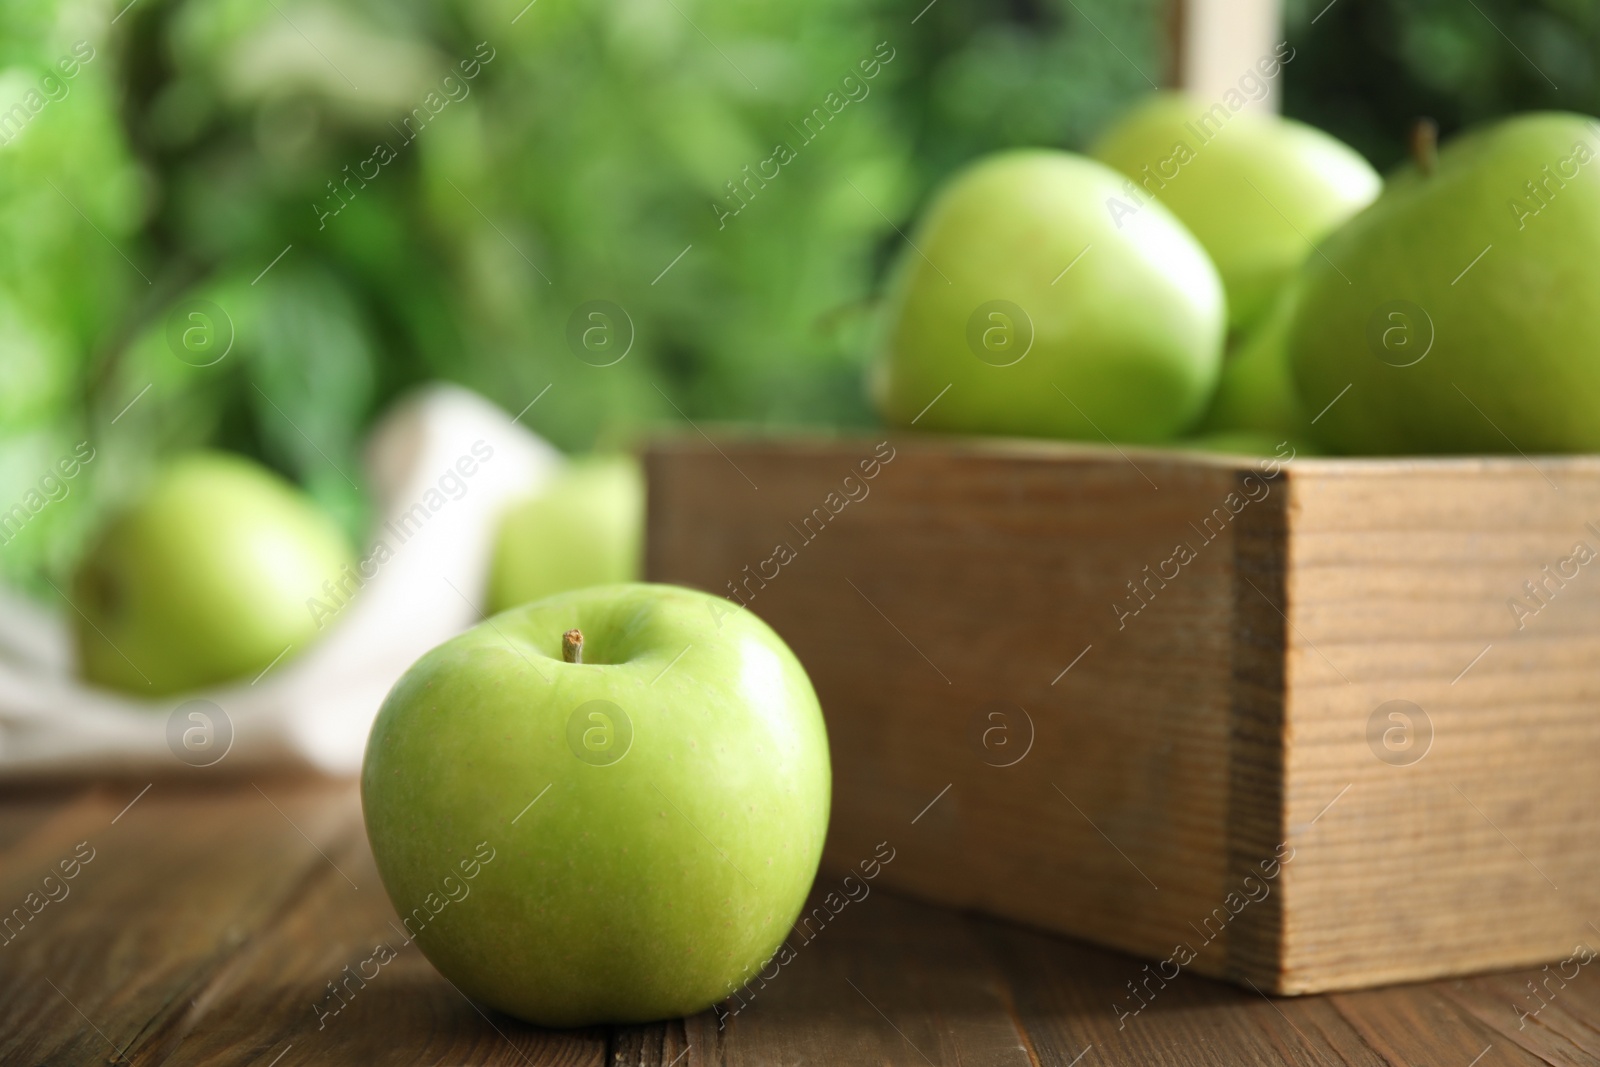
<point>313,710</point>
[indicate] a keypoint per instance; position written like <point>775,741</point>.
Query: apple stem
<point>1425,145</point>
<point>572,646</point>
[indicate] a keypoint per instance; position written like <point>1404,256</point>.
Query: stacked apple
<point>1459,309</point>
<point>584,529</point>
<point>1240,277</point>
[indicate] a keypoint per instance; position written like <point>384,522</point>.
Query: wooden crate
<point>1322,748</point>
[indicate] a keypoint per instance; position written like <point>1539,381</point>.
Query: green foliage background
<point>195,151</point>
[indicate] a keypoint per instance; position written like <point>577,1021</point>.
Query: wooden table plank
<point>1562,1024</point>
<point>1418,1024</point>
<point>333,978</point>
<point>22,810</point>
<point>212,921</point>
<point>660,1044</point>
<point>1075,1000</point>
<point>171,882</point>
<point>887,981</point>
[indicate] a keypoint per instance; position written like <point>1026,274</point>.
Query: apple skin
<point>586,528</point>
<point>204,578</point>
<point>1127,343</point>
<point>1511,353</point>
<point>1305,184</point>
<point>1256,392</point>
<point>1243,443</point>
<point>646,888</point>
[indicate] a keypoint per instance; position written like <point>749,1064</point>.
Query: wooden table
<point>204,923</point>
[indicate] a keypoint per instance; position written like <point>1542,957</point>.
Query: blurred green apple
<point>1021,307</point>
<point>1457,313</point>
<point>205,578</point>
<point>586,528</point>
<point>1256,189</point>
<point>609,827</point>
<point>1247,443</point>
<point>1256,391</point>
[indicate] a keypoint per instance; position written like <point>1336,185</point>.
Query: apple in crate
<point>1256,391</point>
<point>584,529</point>
<point>1023,305</point>
<point>1456,314</point>
<point>606,806</point>
<point>1256,189</point>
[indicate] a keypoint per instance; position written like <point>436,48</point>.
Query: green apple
<point>1256,391</point>
<point>1256,189</point>
<point>1457,313</point>
<point>585,528</point>
<point>1249,443</point>
<point>1231,443</point>
<point>1021,307</point>
<point>203,579</point>
<point>652,813</point>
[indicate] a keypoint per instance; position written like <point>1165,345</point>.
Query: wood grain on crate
<point>1187,730</point>
<point>212,917</point>
<point>972,576</point>
<point>1485,852</point>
